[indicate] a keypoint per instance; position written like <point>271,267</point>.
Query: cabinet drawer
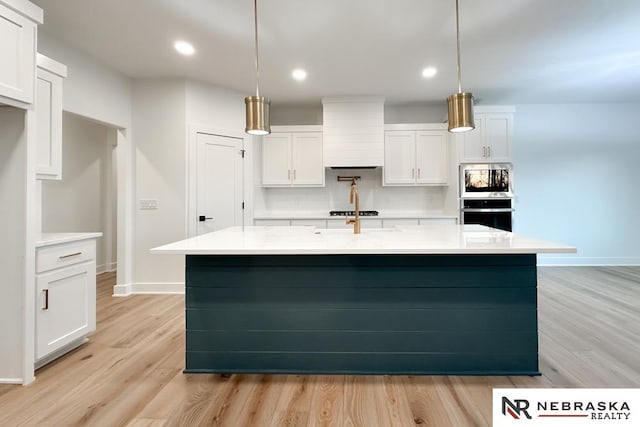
<point>62,255</point>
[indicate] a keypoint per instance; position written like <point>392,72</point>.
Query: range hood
<point>353,131</point>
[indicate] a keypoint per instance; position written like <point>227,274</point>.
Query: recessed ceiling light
<point>184,48</point>
<point>429,72</point>
<point>299,74</point>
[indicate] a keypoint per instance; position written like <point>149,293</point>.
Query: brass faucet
<point>354,198</point>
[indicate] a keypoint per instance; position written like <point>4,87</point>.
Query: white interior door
<point>219,182</point>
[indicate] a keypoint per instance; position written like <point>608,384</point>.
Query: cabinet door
<point>65,307</point>
<point>399,158</point>
<point>17,56</point>
<point>472,143</point>
<point>498,137</point>
<point>49,125</point>
<point>432,157</point>
<point>306,155</point>
<point>276,159</point>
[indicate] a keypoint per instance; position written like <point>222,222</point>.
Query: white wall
<point>576,172</point>
<point>91,89</point>
<point>81,201</point>
<point>159,119</point>
<point>13,242</point>
<point>163,111</point>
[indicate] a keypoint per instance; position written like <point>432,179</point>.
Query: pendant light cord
<point>255,22</point>
<point>458,45</point>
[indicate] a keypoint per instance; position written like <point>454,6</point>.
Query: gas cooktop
<point>352,213</point>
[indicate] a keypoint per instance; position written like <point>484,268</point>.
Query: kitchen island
<point>442,299</point>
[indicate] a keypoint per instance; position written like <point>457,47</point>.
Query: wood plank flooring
<point>130,373</point>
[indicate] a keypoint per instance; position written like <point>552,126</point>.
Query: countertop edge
<point>48,239</point>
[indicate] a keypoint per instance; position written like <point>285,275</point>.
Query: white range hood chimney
<point>353,131</point>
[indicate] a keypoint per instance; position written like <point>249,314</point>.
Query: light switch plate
<point>148,204</point>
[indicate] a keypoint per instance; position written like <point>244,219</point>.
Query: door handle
<point>46,299</point>
<point>203,218</point>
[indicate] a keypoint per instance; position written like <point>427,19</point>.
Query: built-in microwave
<point>486,180</point>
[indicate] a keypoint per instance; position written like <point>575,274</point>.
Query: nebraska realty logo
<point>566,407</point>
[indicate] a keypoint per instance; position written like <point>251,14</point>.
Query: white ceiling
<point>513,51</point>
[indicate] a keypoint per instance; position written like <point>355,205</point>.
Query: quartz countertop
<point>427,239</point>
<point>47,239</point>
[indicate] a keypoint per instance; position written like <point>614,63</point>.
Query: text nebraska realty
<point>595,410</point>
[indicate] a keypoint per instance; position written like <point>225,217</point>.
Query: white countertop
<point>47,239</point>
<point>428,239</point>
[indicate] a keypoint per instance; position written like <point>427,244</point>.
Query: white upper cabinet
<point>432,157</point>
<point>490,141</point>
<point>48,109</point>
<point>399,157</point>
<point>18,34</point>
<point>292,156</point>
<point>416,157</point>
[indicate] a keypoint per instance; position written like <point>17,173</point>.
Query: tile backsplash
<point>335,196</point>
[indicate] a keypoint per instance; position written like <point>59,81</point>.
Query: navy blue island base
<point>362,314</point>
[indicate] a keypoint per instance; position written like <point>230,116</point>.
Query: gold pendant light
<point>257,107</point>
<point>460,104</point>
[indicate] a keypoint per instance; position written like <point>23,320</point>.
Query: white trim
<point>158,288</point>
<point>10,381</point>
<point>107,267</point>
<point>122,290</point>
<point>47,64</point>
<point>61,352</point>
<point>191,190</point>
<point>125,221</point>
<point>29,322</point>
<point>25,8</point>
<point>568,261</point>
<point>415,126</point>
<point>296,128</point>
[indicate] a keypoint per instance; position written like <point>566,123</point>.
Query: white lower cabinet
<point>427,221</point>
<point>65,297</point>
<point>317,223</point>
<point>390,223</point>
<point>272,222</point>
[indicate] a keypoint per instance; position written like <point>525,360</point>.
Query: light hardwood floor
<point>130,372</point>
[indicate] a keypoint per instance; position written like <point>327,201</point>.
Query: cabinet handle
<point>70,255</point>
<point>294,174</point>
<point>46,299</point>
<point>289,174</point>
<point>484,151</point>
<point>418,173</point>
<point>413,173</point>
<point>489,151</point>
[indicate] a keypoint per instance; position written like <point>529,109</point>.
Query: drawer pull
<point>46,299</point>
<point>70,255</point>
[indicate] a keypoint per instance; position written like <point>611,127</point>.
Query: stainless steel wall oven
<point>486,195</point>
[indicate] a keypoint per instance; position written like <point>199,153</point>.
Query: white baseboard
<point>158,288</point>
<point>107,268</point>
<point>10,380</point>
<point>568,261</point>
<point>122,290</point>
